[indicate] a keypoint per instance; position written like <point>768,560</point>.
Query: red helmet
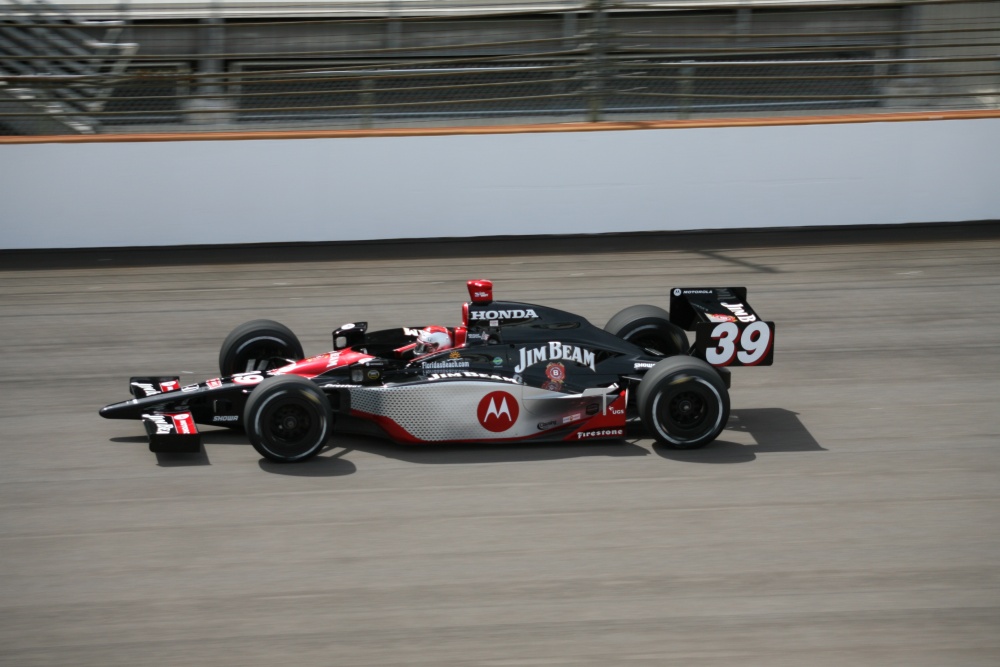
<point>432,339</point>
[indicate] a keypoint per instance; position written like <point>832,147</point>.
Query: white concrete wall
<point>215,192</point>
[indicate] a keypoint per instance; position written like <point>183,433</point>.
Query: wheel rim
<point>688,411</point>
<point>290,427</point>
<point>289,424</point>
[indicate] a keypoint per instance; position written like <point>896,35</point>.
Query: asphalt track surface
<point>849,515</point>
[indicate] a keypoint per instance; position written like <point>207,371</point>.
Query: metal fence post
<point>213,108</point>
<point>598,56</point>
<point>367,102</point>
<point>685,89</point>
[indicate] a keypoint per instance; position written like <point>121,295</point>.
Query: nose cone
<point>123,410</point>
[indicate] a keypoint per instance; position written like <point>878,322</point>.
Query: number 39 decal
<point>737,343</point>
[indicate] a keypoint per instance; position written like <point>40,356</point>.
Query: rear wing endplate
<point>728,332</point>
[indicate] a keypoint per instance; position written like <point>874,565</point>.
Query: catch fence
<point>122,71</point>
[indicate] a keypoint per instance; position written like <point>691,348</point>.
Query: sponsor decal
<point>694,291</point>
<point>572,418</point>
<point>191,387</point>
<point>715,317</point>
<point>593,409</point>
<point>497,361</point>
<point>497,315</point>
<point>347,327</point>
<point>617,411</point>
<point>170,385</point>
<point>480,295</point>
<point>544,426</point>
<point>183,423</point>
<point>373,374</point>
<point>332,359</point>
<point>147,388</point>
<point>454,354</point>
<point>214,383</point>
<point>472,375</point>
<point>163,426</point>
<point>677,291</point>
<point>737,310</point>
<point>225,418</point>
<point>476,337</point>
<point>497,411</point>
<point>555,351</point>
<point>446,364</point>
<point>601,433</point>
<point>555,372</point>
<point>643,365</point>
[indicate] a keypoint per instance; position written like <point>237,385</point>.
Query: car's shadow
<point>199,458</point>
<point>465,453</point>
<point>773,430</point>
<point>328,463</point>
<point>223,436</point>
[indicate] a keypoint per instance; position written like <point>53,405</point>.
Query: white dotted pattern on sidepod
<point>445,411</point>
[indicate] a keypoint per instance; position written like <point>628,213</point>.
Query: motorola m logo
<point>497,411</point>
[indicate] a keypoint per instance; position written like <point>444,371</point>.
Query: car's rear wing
<point>728,332</point>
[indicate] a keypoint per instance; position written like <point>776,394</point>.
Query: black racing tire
<point>650,328</point>
<point>683,402</point>
<point>287,418</point>
<point>258,345</point>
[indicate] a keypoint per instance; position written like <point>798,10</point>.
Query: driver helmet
<point>432,339</point>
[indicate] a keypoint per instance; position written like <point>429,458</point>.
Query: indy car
<point>510,372</point>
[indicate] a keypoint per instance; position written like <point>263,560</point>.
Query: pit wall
<point>280,188</point>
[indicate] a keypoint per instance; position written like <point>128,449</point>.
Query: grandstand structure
<point>86,66</point>
<point>57,68</point>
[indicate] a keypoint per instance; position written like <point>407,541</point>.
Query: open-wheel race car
<point>511,372</point>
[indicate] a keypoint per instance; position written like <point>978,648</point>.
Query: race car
<point>510,372</point>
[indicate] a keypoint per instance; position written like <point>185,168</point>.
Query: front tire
<point>683,402</point>
<point>650,328</point>
<point>287,418</point>
<point>258,345</point>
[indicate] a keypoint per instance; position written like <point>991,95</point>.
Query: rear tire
<point>650,328</point>
<point>258,345</point>
<point>287,418</point>
<point>683,402</point>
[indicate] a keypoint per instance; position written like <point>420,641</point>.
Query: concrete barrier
<point>169,193</point>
